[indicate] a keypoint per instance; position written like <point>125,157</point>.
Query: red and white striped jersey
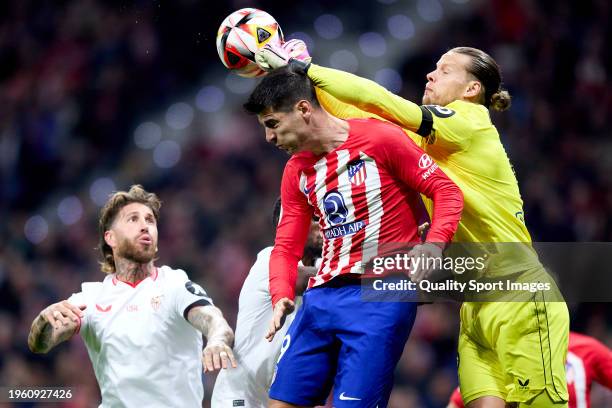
<point>588,360</point>
<point>366,193</point>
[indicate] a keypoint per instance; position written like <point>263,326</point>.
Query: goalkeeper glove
<point>293,52</point>
<point>297,49</point>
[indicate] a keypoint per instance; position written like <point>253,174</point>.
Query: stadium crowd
<point>75,80</point>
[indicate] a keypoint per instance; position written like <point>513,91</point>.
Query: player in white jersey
<point>142,325</point>
<point>248,384</point>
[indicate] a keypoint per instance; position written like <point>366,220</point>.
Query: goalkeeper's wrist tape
<point>299,66</point>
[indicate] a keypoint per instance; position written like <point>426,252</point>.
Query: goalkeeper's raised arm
<point>368,96</point>
<point>351,89</point>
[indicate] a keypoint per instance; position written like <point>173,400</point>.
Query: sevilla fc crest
<point>156,302</point>
<point>357,172</point>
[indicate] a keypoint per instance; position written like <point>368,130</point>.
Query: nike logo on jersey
<point>345,398</point>
<point>103,309</point>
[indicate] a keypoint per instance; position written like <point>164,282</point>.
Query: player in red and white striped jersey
<point>363,179</point>
<point>366,193</point>
<point>588,360</point>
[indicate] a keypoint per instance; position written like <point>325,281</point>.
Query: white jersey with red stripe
<point>143,350</point>
<point>366,193</point>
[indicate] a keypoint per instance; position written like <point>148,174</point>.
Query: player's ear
<point>473,90</point>
<point>304,108</point>
<point>110,239</point>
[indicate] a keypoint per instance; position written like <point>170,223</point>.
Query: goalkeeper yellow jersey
<point>462,140</point>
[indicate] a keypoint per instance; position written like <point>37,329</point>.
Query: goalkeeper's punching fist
<point>292,52</point>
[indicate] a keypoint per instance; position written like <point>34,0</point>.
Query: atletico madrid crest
<point>357,172</point>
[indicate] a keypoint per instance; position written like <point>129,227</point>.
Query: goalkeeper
<point>510,353</point>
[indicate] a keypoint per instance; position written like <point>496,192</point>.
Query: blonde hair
<point>115,203</point>
<point>487,72</point>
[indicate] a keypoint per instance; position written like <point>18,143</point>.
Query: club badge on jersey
<point>357,172</point>
<point>156,302</point>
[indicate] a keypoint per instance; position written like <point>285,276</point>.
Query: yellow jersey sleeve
<point>340,109</point>
<point>453,125</point>
<point>367,96</point>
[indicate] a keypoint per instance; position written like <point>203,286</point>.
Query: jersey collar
<point>153,277</point>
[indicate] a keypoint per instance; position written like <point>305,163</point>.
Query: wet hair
<point>280,90</point>
<point>113,206</point>
<point>484,68</point>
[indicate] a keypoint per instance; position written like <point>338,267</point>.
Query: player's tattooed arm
<point>53,325</point>
<point>218,351</point>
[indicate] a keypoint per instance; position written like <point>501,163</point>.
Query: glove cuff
<point>299,66</point>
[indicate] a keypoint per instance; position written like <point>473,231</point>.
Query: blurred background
<point>97,95</point>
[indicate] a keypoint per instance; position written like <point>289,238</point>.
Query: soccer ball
<point>241,34</point>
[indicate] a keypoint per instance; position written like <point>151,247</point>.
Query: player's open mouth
<point>146,239</point>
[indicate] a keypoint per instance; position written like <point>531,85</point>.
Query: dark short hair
<point>280,90</point>
<point>484,68</point>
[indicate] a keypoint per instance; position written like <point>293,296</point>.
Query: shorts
<point>339,340</point>
<point>513,350</point>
